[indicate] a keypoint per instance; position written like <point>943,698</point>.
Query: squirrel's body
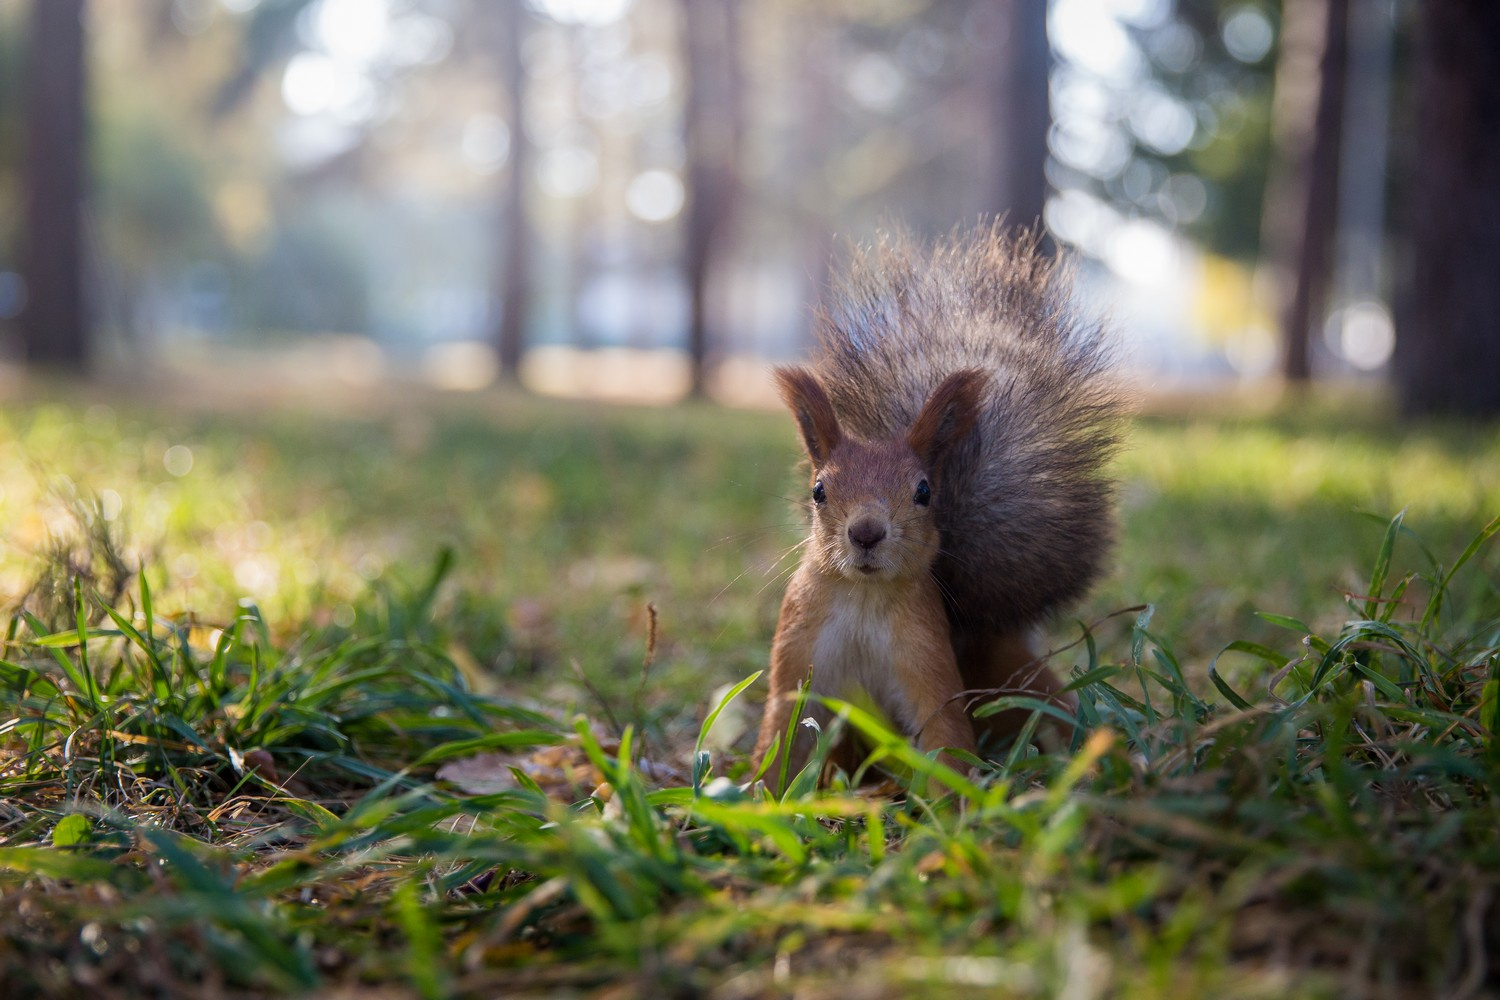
<point>887,642</point>
<point>958,419</point>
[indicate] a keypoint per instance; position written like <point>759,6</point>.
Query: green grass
<point>241,703</point>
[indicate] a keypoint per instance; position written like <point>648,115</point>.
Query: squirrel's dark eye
<point>819,494</point>
<point>923,495</point>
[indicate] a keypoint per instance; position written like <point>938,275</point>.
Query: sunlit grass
<point>1225,517</point>
<point>569,518</point>
<point>226,765</point>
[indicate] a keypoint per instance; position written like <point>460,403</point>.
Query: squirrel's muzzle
<point>866,533</point>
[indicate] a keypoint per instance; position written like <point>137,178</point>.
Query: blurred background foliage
<point>605,195</point>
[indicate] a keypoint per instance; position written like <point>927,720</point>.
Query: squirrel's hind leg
<point>1008,664</point>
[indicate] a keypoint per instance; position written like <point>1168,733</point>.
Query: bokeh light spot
<point>655,196</point>
<point>1247,33</point>
<point>178,460</point>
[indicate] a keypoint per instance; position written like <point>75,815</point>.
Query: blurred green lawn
<point>568,518</point>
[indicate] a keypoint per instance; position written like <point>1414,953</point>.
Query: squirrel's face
<point>872,502</point>
<point>872,512</point>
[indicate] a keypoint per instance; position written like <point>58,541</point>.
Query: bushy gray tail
<point>1024,504</point>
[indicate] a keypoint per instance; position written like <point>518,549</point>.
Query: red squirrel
<point>958,419</point>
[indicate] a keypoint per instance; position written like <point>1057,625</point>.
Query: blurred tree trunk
<point>1301,203</point>
<point>1365,154</point>
<point>1448,347</point>
<point>1020,115</point>
<point>54,323</point>
<point>713,123</point>
<point>516,243</point>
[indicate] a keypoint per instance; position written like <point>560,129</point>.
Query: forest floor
<point>390,692</point>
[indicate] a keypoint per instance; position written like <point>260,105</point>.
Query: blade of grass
<point>1372,608</point>
<point>713,716</point>
<point>1435,602</point>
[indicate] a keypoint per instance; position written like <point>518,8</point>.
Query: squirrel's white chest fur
<point>859,648</point>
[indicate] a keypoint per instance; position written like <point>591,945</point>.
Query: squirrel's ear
<point>949,413</point>
<point>815,417</point>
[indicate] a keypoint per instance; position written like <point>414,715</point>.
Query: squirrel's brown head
<point>873,501</point>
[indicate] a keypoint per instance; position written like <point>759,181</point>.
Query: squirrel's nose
<point>866,533</point>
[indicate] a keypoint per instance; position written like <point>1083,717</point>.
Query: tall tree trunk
<point>1020,114</point>
<point>54,324</point>
<point>712,123</point>
<point>1365,153</point>
<point>516,243</point>
<point>1448,345</point>
<point>1302,191</point>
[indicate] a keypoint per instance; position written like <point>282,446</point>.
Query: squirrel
<point>958,418</point>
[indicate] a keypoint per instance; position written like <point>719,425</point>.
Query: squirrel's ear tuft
<point>816,420</point>
<point>949,413</point>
